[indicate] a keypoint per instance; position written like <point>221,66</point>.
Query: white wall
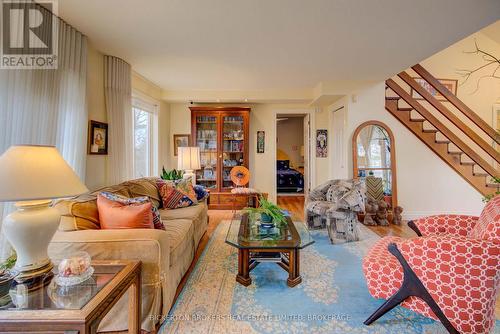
<point>96,164</point>
<point>426,185</point>
<point>290,138</point>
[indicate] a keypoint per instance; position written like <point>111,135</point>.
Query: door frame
<point>310,161</point>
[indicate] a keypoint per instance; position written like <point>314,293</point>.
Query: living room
<point>142,170</point>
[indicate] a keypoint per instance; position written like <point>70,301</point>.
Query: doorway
<point>292,157</point>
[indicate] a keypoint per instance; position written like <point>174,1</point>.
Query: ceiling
<point>238,45</point>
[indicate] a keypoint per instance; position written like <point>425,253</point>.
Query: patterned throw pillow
<point>136,200</point>
<point>201,192</point>
<point>177,194</point>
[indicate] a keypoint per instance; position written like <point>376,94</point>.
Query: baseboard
<point>419,214</point>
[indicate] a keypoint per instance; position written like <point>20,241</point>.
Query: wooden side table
<point>81,308</point>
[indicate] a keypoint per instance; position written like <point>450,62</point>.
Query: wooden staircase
<point>449,146</point>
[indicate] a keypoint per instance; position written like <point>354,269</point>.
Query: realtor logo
<point>29,35</point>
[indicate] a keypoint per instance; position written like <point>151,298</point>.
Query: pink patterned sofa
<point>451,272</point>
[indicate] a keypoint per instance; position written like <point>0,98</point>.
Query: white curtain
<point>118,95</point>
<point>47,106</point>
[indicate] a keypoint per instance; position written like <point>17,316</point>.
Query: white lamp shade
<point>188,158</point>
<point>29,172</point>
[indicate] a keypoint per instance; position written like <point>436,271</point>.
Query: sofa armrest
<point>147,245</point>
<point>443,224</point>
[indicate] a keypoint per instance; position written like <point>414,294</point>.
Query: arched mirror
<point>373,153</point>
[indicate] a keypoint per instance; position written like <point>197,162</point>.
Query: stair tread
<point>430,130</point>
<point>405,109</point>
<point>456,153</point>
<point>480,174</point>
<point>392,97</point>
<point>468,163</point>
<point>442,141</point>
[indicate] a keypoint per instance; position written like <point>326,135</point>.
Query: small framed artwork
<point>261,139</point>
<point>448,83</point>
<point>181,141</point>
<point>321,143</point>
<point>98,138</point>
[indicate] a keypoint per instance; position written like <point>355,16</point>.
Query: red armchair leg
<point>411,286</point>
<point>413,226</point>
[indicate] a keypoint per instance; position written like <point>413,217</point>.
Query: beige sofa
<point>165,255</point>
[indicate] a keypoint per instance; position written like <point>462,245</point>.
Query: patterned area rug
<point>332,298</point>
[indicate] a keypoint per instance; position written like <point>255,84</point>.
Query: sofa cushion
<point>488,225</point>
<point>145,187</point>
<point>176,194</point>
<point>78,214</point>
<point>120,215</point>
<point>180,238</point>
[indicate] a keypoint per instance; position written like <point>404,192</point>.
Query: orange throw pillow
<point>115,215</point>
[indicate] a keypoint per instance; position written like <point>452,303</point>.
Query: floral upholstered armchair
<point>335,204</point>
<point>450,273</point>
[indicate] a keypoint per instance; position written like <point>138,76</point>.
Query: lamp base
<point>189,173</point>
<point>30,230</point>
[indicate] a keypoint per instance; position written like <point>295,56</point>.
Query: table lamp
<point>188,159</point>
<point>32,176</point>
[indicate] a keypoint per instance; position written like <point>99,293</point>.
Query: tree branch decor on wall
<point>321,143</point>
<point>491,65</point>
<point>261,138</point>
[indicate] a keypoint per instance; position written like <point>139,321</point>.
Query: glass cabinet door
<point>206,140</point>
<point>233,147</point>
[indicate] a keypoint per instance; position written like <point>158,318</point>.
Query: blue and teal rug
<point>332,298</point>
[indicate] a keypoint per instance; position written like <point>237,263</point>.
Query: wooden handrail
<point>457,102</point>
<point>442,128</point>
<point>450,116</point>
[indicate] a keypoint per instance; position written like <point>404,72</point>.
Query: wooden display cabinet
<point>222,134</point>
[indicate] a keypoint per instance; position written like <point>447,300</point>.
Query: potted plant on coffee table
<point>270,214</point>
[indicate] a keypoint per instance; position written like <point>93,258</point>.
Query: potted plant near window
<point>270,214</point>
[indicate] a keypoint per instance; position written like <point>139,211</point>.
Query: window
<point>144,117</point>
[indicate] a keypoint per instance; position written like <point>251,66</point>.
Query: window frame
<point>151,106</point>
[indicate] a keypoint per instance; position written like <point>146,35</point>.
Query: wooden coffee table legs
<point>243,276</point>
<point>289,261</point>
<point>294,268</point>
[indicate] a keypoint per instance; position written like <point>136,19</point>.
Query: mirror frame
<point>393,156</point>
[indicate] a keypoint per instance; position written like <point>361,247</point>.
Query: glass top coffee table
<point>277,244</point>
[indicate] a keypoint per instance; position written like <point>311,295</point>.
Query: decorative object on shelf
<point>33,176</point>
<point>181,141</point>
<point>448,83</point>
<point>240,176</point>
<point>189,160</point>
<point>98,138</point>
<point>321,143</point>
<point>261,139</point>
<point>173,174</point>
<point>270,213</point>
<point>74,269</point>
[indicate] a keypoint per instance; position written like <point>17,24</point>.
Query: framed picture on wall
<point>261,139</point>
<point>321,143</point>
<point>98,138</point>
<point>181,141</point>
<point>448,83</point>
